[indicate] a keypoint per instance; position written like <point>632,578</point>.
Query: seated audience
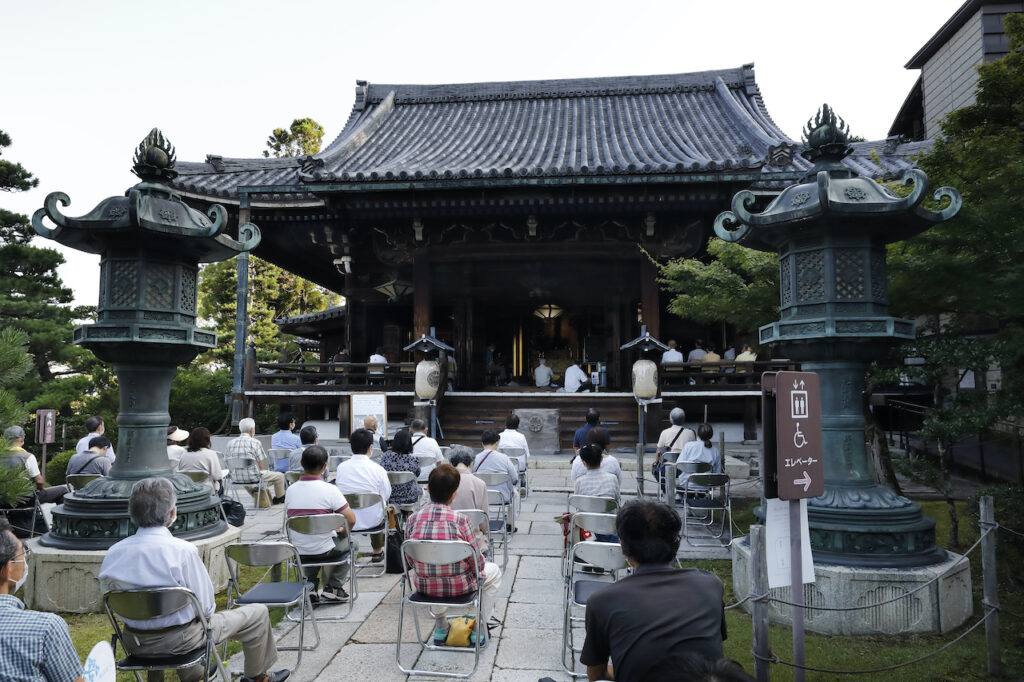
<point>311,495</point>
<point>94,425</point>
<point>609,463</point>
<point>579,439</point>
<point>246,445</point>
<point>658,609</point>
<point>700,451</point>
<point>33,645</point>
<point>512,438</point>
<point>175,449</point>
<point>199,457</point>
<point>92,461</point>
<point>399,458</point>
<point>371,424</point>
<point>671,441</point>
<point>285,438</point>
<point>672,354</point>
<point>594,480</point>
<point>360,474</point>
<point>422,444</point>
<point>472,492</point>
<point>154,558</point>
<point>309,436</point>
<point>438,521</point>
<point>17,456</point>
<point>698,352</point>
<point>491,461</point>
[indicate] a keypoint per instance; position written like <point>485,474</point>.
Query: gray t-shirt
<point>80,464</point>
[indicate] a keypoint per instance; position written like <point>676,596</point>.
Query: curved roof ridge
<point>410,93</point>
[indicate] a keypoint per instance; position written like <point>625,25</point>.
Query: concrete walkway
<point>526,647</point>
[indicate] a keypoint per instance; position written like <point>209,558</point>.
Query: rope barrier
<point>888,601</point>
<point>1010,530</point>
<point>775,659</point>
<point>749,597</point>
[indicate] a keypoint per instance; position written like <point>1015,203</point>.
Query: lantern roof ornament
<point>851,202</point>
<point>149,214</point>
<point>645,342</point>
<point>428,344</point>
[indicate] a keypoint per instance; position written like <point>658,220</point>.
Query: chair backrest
<point>146,604</point>
<point>438,552</point>
<point>477,517</point>
<point>692,467</point>
<point>606,555</point>
<point>592,504</point>
<point>279,453</point>
<point>79,481</point>
<point>400,477</point>
<point>492,478</point>
<point>363,500</point>
<point>196,476</point>
<point>265,441</point>
<point>603,524</point>
<point>709,480</point>
<point>376,455</point>
<point>514,452</point>
<point>334,460</point>
<point>494,498</point>
<point>293,476</point>
<point>244,470</point>
<point>426,460</point>
<point>262,553</point>
<point>316,524</point>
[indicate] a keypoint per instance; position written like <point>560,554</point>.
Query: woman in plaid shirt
<point>438,521</point>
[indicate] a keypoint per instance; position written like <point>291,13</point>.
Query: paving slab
<point>529,649</point>
<point>522,615</point>
<point>381,626</point>
<point>539,568</point>
<point>368,662</point>
<point>538,591</point>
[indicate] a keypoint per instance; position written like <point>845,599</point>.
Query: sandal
<point>377,557</point>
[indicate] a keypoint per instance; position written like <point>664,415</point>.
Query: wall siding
<point>950,77</point>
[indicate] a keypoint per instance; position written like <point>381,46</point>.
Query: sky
<point>84,82</point>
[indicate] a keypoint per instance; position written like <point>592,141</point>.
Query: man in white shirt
<point>94,425</point>
<point>377,362</point>
<point>576,380</point>
<point>154,558</point>
<point>543,374</point>
<point>491,461</point>
<point>19,456</point>
<point>360,474</point>
<point>672,354</point>
<point>312,495</point>
<point>422,444</point>
<point>511,438</point>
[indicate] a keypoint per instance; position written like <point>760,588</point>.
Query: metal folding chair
<point>478,519</point>
<point>27,521</point>
<point>427,463</point>
<point>285,593</point>
<point>365,501</point>
<point>439,553</point>
<point>323,524</point>
<point>244,471</point>
<point>499,525</point>
<point>79,481</point>
<point>399,478</point>
<point>292,476</point>
<point>332,466</point>
<point>147,604</point>
<point>604,555</point>
<point>704,494</point>
<point>519,454</point>
<point>589,504</point>
<point>276,454</point>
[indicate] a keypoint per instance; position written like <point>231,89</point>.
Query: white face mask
<point>24,574</point>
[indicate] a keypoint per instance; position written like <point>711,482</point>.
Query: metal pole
<point>241,316</point>
<point>796,588</point>
<point>668,476</point>
<point>991,600</point>
<point>640,450</point>
<point>759,586</point>
<point>42,463</point>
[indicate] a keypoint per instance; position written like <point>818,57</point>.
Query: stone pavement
<point>526,647</point>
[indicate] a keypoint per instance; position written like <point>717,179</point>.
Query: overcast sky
<point>84,82</point>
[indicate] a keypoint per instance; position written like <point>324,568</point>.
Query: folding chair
<point>604,555</point>
<point>322,524</point>
<point>292,476</point>
<point>497,479</point>
<point>589,504</point>
<point>146,604</point>
<point>332,466</point>
<point>376,455</point>
<point>705,494</point>
<point>478,518</point>
<point>286,593</point>
<point>79,481</point>
<point>439,553</point>
<point>399,478</point>
<point>519,454</point>
<point>365,501</point>
<point>276,454</point>
<point>427,463</point>
<point>27,521</point>
<point>245,472</point>
<point>196,476</point>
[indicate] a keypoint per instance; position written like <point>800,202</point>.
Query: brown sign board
<point>46,426</point>
<point>799,466</point>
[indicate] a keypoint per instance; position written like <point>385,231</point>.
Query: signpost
<point>46,432</point>
<point>793,469</point>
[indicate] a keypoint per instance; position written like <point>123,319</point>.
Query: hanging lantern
<point>645,379</point>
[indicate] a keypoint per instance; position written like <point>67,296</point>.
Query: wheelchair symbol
<point>798,438</point>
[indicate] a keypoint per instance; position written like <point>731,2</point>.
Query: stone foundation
<point>940,607</point>
<point>66,581</point>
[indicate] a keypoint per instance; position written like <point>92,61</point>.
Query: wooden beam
<point>421,295</point>
<point>649,297</point>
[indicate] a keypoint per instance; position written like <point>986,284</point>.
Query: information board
<point>801,473</point>
<point>365,404</point>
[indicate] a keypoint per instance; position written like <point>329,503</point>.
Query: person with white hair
<point>672,440</point>
<point>153,558</point>
<point>543,374</point>
<point>18,457</point>
<point>246,445</point>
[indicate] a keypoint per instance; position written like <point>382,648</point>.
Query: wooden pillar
<point>421,295</point>
<point>649,297</point>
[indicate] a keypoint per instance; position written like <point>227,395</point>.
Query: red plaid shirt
<point>440,522</point>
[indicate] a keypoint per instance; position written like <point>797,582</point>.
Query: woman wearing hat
<point>175,438</point>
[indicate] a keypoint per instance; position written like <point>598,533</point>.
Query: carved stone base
<point>66,581</point>
<point>942,606</point>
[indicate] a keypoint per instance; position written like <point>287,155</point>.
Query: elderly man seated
<point>154,558</point>
<point>246,445</point>
<point>312,495</point>
<point>33,645</point>
<point>657,611</point>
<point>492,461</point>
<point>438,521</point>
<point>18,456</point>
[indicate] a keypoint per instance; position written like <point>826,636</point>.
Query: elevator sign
<point>799,468</point>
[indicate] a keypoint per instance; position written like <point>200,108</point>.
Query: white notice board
<point>777,543</point>
<point>364,404</point>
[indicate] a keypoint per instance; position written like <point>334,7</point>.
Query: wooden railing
<point>725,375</point>
<point>333,376</point>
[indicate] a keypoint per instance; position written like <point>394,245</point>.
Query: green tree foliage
<point>197,397</point>
<point>273,291</point>
<point>15,363</point>
<point>734,284</point>
<point>304,136</point>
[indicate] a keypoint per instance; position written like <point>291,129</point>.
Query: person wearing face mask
<point>34,645</point>
<point>154,558</point>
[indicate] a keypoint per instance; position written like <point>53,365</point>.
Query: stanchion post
<point>668,479</point>
<point>988,570</point>
<point>796,588</point>
<point>759,612</point>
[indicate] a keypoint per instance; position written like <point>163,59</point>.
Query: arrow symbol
<point>801,383</point>
<point>806,480</point>
<point>794,383</point>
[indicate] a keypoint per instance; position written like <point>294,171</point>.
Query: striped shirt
<point>597,483</point>
<point>35,646</point>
